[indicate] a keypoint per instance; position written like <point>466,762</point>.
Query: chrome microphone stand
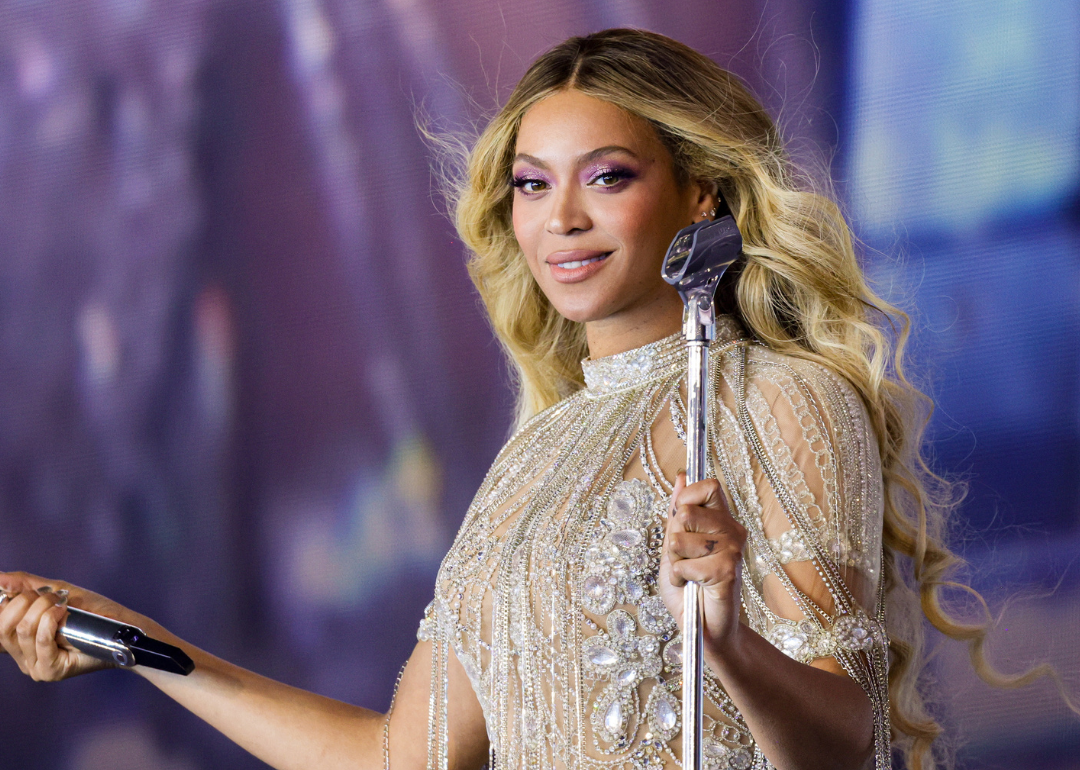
<point>696,261</point>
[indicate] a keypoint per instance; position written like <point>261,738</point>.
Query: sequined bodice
<point>548,597</point>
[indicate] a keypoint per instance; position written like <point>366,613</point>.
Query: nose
<point>567,214</point>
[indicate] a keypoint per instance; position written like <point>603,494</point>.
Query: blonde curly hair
<point>801,292</point>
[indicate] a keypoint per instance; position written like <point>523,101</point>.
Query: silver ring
<point>5,596</point>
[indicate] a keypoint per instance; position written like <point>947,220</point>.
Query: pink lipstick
<point>577,265</point>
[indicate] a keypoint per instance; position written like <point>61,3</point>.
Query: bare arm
<point>284,726</point>
<point>802,716</point>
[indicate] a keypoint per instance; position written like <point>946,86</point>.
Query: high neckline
<point>648,363</point>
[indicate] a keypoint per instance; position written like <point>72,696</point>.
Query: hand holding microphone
<point>51,641</point>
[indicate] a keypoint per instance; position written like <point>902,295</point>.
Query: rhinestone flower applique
<point>620,568</point>
<point>622,561</point>
<point>625,659</point>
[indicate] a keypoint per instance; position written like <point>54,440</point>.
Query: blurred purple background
<point>246,387</point>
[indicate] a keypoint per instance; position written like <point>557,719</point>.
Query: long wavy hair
<point>801,292</point>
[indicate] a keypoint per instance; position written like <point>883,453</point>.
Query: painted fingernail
<point>61,597</point>
<point>45,590</point>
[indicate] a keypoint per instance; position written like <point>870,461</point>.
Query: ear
<point>705,197</point>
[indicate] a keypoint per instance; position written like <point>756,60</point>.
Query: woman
<point>553,639</point>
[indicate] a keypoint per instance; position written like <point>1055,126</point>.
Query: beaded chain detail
<point>548,597</point>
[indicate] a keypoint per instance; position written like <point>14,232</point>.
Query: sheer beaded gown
<point>548,596</point>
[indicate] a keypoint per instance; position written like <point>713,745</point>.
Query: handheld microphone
<point>110,640</point>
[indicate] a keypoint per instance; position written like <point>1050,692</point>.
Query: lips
<point>577,265</point>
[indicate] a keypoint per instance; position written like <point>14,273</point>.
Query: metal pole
<point>699,327</point>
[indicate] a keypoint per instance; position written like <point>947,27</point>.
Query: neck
<point>625,331</point>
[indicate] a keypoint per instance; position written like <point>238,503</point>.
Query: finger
<point>706,493</point>
<point>61,616</point>
<point>694,518</point>
<point>14,582</point>
<point>27,628</point>
<point>699,507</point>
<point>718,570</point>
<point>48,653</point>
<point>699,545</point>
<point>10,615</point>
<point>5,597</point>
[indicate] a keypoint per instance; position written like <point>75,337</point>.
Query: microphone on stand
<point>695,262</point>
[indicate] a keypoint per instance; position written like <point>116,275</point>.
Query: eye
<point>529,185</point>
<point>610,177</point>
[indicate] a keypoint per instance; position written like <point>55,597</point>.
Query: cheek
<point>641,224</point>
<point>522,220</point>
<point>526,233</point>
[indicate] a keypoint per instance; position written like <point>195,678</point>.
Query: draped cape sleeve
<point>800,463</point>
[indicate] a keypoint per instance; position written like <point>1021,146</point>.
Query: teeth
<point>577,263</point>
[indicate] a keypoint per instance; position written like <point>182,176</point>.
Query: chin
<point>579,313</point>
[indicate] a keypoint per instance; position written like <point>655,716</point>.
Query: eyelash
<point>619,174</point>
<point>521,181</point>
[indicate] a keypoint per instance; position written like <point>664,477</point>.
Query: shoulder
<point>804,396</point>
<point>779,375</point>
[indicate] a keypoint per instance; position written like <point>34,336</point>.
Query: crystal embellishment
<point>636,367</point>
<point>673,654</point>
<point>791,546</point>
<point>714,755</point>
<point>426,631</point>
<point>714,749</point>
<point>613,717</point>
<point>599,654</point>
<point>796,640</point>
<point>740,759</point>
<point>858,632</point>
<point>654,616</point>
<point>598,594</point>
<point>805,641</point>
<point>623,557</point>
<point>649,363</point>
<point>662,713</point>
<point>612,713</point>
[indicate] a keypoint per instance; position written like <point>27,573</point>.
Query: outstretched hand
<point>704,543</point>
<point>32,611</point>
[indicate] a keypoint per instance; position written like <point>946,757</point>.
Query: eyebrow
<point>590,155</point>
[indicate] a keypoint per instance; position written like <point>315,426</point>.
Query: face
<point>596,204</point>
